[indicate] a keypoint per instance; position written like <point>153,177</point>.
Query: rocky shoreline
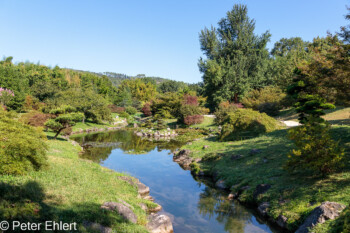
<point>327,210</point>
<point>157,223</point>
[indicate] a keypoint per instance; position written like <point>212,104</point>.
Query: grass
<point>292,195</point>
<point>71,190</point>
<point>207,123</point>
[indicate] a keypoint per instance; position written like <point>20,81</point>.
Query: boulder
<point>155,209</point>
<point>261,189</point>
<point>282,221</point>
<point>263,208</point>
<point>205,147</point>
<point>159,223</point>
<point>220,184</point>
<point>121,209</point>
<point>142,189</point>
<point>327,210</point>
<point>96,227</point>
<point>231,196</point>
<point>127,179</point>
<point>143,206</point>
<point>183,158</point>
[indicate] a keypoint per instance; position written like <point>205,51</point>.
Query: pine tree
<point>237,59</point>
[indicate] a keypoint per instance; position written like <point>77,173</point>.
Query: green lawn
<point>292,195</point>
<point>70,189</point>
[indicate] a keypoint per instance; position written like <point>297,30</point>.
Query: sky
<point>152,37</point>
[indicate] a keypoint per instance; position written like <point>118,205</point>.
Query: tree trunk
<point>58,132</point>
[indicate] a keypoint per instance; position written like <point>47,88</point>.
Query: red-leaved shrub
<point>191,100</point>
<point>192,120</point>
<point>147,109</point>
<point>116,109</point>
<point>36,119</point>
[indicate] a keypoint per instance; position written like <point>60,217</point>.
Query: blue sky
<point>152,37</point>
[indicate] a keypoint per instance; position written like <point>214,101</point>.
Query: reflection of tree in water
<point>129,142</point>
<point>214,203</point>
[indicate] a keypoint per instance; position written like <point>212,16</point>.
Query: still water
<point>193,205</point>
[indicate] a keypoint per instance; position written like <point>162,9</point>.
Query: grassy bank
<point>291,195</point>
<point>70,189</point>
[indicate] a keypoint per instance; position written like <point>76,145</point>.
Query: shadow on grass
<point>27,203</point>
<point>58,138</point>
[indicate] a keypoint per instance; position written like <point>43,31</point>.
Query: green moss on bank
<point>70,190</point>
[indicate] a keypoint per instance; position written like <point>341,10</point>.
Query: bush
<point>222,112</point>
<point>115,109</point>
<point>22,147</point>
<point>192,120</point>
<point>36,119</point>
<point>147,110</point>
<point>188,110</point>
<point>269,100</point>
<point>315,149</point>
<point>124,115</point>
<point>246,123</point>
<point>131,110</point>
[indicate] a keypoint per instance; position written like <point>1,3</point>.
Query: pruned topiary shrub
<point>131,110</point>
<point>22,147</point>
<point>246,123</point>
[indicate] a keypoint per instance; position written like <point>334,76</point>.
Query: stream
<point>192,204</point>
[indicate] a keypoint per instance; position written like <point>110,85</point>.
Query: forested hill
<point>118,78</point>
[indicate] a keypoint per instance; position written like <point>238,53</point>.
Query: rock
<point>282,221</point>
<point>155,209</point>
<point>168,129</point>
<point>255,151</point>
<point>231,196</point>
<point>127,179</point>
<point>135,125</point>
<point>159,223</point>
<point>123,210</point>
<point>144,206</point>
<point>263,207</point>
<point>265,160</point>
<point>235,157</point>
<point>327,210</point>
<point>148,198</point>
<point>261,189</point>
<point>189,143</point>
<point>142,189</point>
<point>139,134</point>
<point>220,184</point>
<point>96,227</point>
<point>183,158</point>
<point>205,147</point>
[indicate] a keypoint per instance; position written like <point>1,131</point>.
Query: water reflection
<point>192,204</point>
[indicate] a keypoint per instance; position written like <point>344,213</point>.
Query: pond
<point>193,205</point>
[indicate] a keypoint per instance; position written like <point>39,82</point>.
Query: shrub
<point>131,110</point>
<point>195,168</point>
<point>119,109</point>
<point>188,110</point>
<point>36,119</point>
<point>191,100</point>
<point>114,108</point>
<point>124,115</point>
<point>246,123</point>
<point>147,110</point>
<point>192,120</point>
<point>22,147</point>
<point>222,112</point>
<point>315,149</point>
<point>269,100</point>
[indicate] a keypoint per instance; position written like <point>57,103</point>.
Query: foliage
<point>115,109</point>
<point>237,59</point>
<point>222,111</point>
<point>65,117</point>
<point>308,102</point>
<point>22,147</point>
<point>246,123</point>
<point>345,30</point>
<point>137,89</point>
<point>5,96</point>
<point>315,149</point>
<point>268,99</point>
<point>35,118</point>
<point>287,53</point>
<point>194,119</point>
<point>131,110</point>
<point>171,86</point>
<point>146,109</point>
<point>167,105</point>
<point>195,168</point>
<point>124,115</point>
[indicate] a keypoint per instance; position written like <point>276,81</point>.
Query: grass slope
<point>71,190</point>
<point>292,195</point>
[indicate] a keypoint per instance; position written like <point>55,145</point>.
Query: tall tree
<point>345,30</point>
<point>237,59</point>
